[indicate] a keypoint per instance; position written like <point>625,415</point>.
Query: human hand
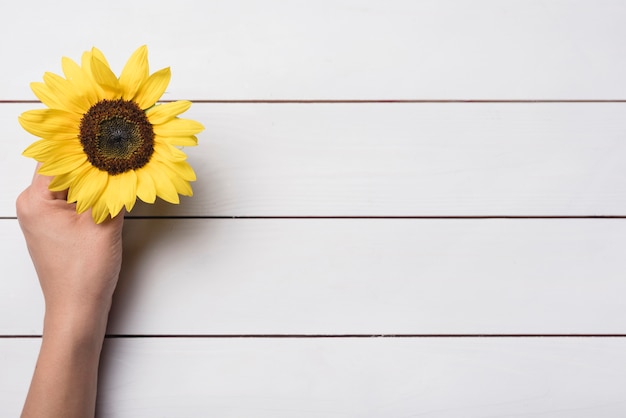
<point>77,261</point>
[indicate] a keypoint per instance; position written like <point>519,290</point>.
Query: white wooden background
<point>403,208</point>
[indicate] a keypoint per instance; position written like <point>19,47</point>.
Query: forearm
<point>65,380</point>
<point>78,264</point>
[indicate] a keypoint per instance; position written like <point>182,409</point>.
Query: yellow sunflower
<point>104,138</point>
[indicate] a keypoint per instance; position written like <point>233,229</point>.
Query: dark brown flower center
<point>116,136</point>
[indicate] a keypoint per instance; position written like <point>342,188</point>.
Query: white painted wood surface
<point>388,160</point>
<point>357,276</point>
<point>190,277</point>
<point>339,377</point>
<point>335,49</point>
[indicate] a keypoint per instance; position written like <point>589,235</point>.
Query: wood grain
<point>358,276</point>
<point>330,49</point>
<point>421,119</point>
<point>573,378</point>
<point>387,160</point>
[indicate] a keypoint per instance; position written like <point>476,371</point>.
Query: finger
<point>41,184</point>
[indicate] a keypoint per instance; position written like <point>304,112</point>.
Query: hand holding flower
<point>78,264</point>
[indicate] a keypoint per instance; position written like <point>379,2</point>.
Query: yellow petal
<point>162,113</point>
<point>182,186</point>
<point>45,149</point>
<point>103,75</point>
<point>166,152</point>
<point>85,62</point>
<point>179,180</point>
<point>164,187</point>
<point>61,182</point>
<point>84,84</point>
<point>42,148</point>
<point>77,191</point>
<point>48,115</point>
<point>128,189</point>
<point>50,123</point>
<point>146,190</point>
<point>181,169</point>
<point>71,70</point>
<point>95,52</point>
<point>86,67</point>
<point>62,165</point>
<point>183,141</point>
<point>185,170</point>
<point>153,88</point>
<point>113,195</point>
<point>57,117</point>
<point>135,73</point>
<point>177,154</point>
<point>100,210</point>
<point>44,94</point>
<point>66,93</point>
<point>178,127</point>
<point>87,188</point>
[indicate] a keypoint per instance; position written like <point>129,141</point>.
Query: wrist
<point>77,323</point>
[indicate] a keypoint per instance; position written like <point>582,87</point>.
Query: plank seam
<point>341,217</point>
<point>365,101</point>
<point>318,336</point>
<point>391,217</point>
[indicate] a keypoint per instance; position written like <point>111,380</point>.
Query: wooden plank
<point>357,276</point>
<point>330,49</point>
<point>17,361</point>
<point>345,377</point>
<point>387,160</point>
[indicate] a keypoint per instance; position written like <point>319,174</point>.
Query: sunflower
<point>105,139</point>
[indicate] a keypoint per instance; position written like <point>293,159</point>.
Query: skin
<point>78,264</point>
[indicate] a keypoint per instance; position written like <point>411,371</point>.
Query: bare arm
<point>78,264</point>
